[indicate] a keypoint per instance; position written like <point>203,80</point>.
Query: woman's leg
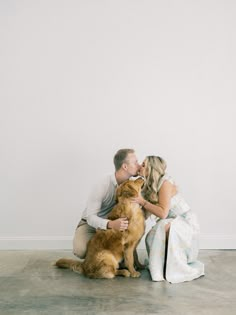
<point>149,239</point>
<point>167,230</point>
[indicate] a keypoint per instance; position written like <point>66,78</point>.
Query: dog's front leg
<point>129,261</point>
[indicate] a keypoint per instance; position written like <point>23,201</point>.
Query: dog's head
<point>130,188</point>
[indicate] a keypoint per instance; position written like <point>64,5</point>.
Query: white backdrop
<point>81,79</point>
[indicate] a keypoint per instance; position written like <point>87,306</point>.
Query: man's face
<point>131,164</point>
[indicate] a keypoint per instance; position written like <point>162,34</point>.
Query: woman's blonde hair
<point>156,168</point>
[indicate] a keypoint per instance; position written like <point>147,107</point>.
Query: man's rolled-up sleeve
<point>94,205</point>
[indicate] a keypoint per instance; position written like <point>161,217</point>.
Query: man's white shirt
<point>100,202</point>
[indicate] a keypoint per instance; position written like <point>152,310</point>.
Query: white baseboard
<point>207,241</point>
<point>35,243</point>
<point>217,241</point>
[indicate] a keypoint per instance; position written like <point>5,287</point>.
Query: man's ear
<point>124,166</point>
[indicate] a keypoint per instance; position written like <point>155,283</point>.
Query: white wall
<point>81,79</point>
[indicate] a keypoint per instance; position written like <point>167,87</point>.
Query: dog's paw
<point>135,274</point>
<point>126,273</point>
<point>123,272</point>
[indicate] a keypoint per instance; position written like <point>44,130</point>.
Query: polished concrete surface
<point>29,284</point>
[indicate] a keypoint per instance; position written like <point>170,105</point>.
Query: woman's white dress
<point>182,264</point>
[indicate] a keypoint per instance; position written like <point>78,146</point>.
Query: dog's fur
<point>108,247</point>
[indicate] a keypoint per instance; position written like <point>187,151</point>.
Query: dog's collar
<point>133,178</point>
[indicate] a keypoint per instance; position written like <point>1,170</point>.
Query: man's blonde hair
<point>120,157</point>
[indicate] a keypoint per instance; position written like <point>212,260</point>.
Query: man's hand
<point>120,224</point>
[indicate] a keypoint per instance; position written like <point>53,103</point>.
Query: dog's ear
<point>128,191</point>
<point>118,193</point>
<point>120,189</point>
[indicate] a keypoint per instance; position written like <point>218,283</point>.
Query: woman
<point>172,244</point>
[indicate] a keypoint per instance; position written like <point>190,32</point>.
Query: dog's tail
<point>72,264</point>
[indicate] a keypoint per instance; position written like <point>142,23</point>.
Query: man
<point>102,200</point>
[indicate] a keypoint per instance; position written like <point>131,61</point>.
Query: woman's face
<point>143,169</point>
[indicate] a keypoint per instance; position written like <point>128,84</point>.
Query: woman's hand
<point>139,200</point>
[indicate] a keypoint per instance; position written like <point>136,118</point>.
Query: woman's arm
<point>161,210</point>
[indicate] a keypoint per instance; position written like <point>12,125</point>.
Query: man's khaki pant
<point>83,234</point>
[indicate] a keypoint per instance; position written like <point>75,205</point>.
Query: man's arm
<point>94,204</point>
<point>97,222</point>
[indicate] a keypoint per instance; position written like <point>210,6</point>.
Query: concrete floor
<point>29,284</point>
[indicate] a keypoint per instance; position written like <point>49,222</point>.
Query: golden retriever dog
<point>109,247</point>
